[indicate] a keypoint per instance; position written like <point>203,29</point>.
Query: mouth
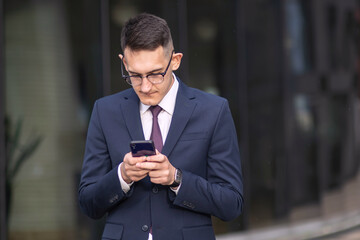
<point>148,94</point>
<point>149,98</point>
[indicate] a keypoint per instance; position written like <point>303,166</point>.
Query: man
<point>196,171</point>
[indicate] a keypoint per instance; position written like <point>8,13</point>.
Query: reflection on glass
<point>40,90</point>
<point>299,33</point>
<point>304,116</point>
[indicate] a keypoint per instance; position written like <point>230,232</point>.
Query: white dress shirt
<point>164,119</point>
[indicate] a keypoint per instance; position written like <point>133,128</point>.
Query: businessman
<point>196,172</point>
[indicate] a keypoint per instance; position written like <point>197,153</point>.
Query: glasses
<point>136,80</point>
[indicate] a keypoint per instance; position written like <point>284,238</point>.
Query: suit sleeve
<point>221,193</point>
<point>100,189</point>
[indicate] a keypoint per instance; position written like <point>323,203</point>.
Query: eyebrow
<point>151,72</point>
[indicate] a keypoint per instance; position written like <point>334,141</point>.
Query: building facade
<point>289,68</point>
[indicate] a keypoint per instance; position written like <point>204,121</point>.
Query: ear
<point>121,59</point>
<point>176,61</point>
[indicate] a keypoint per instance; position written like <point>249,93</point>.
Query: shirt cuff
<point>125,186</point>
<point>177,190</point>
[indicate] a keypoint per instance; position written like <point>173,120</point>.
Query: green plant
<point>16,154</point>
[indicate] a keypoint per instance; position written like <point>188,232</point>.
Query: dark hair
<point>145,32</point>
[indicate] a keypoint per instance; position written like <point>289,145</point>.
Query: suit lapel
<point>184,108</point>
<point>131,113</point>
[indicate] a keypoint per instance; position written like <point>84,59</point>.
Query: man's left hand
<point>160,169</point>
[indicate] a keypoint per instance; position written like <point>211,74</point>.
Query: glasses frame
<point>127,78</point>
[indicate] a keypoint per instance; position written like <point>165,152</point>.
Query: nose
<point>145,85</point>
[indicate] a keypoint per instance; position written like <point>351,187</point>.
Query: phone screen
<point>142,148</point>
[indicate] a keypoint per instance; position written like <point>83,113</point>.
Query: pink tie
<point>156,133</point>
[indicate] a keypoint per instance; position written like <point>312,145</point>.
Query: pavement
<point>336,218</point>
<point>350,234</point>
<point>343,227</point>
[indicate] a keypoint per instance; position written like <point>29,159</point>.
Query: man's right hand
<point>129,171</point>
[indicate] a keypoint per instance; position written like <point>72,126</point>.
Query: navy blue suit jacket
<point>201,142</point>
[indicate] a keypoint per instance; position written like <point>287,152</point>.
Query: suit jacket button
<point>145,228</point>
<point>188,204</point>
<point>155,189</point>
<point>114,199</point>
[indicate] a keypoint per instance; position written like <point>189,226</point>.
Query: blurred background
<point>289,68</point>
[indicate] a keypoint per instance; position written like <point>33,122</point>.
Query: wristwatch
<point>178,178</point>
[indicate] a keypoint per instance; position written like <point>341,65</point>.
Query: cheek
<point>166,86</point>
<point>137,90</point>
<point>161,89</point>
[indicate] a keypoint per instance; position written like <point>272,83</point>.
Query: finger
<point>137,175</point>
<point>159,173</point>
<point>157,158</point>
<point>133,160</point>
<point>128,159</point>
<point>138,178</point>
<point>159,180</point>
<point>163,180</point>
<point>130,169</point>
<point>147,165</point>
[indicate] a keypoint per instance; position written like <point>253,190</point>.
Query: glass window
<point>44,101</point>
<point>299,35</point>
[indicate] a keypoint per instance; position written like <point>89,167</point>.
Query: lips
<point>149,94</point>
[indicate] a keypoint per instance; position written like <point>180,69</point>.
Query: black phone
<point>142,148</point>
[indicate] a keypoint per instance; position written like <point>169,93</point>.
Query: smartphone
<point>142,148</point>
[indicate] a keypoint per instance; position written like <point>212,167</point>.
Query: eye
<point>154,74</point>
<point>135,76</point>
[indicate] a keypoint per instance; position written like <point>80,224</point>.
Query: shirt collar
<point>168,101</point>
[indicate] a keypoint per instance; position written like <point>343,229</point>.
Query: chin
<point>150,102</point>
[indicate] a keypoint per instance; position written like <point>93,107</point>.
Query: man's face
<point>144,62</point>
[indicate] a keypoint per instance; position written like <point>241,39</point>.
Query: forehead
<point>143,61</point>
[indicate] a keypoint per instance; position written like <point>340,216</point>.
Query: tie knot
<point>155,110</point>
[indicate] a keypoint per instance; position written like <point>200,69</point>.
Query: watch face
<point>178,175</point>
<point>177,180</point>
